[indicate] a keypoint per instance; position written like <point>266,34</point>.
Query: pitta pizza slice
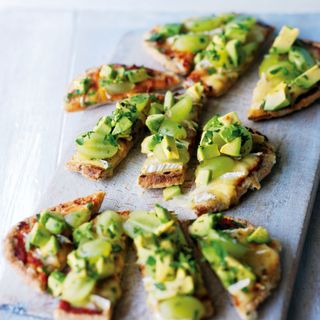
<point>244,257</point>
<point>171,276</point>
<point>173,131</point>
<point>232,160</point>
<point>289,77</point>
<point>229,54</point>
<point>113,82</point>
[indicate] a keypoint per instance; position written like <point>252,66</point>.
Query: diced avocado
<point>171,192</point>
<point>109,224</point>
<point>259,235</point>
<point>170,29</point>
<point>301,58</point>
<point>75,262</point>
<point>55,283</point>
<point>51,248</point>
<point>53,221</point>
<point>181,110</point>
<point>122,125</point>
<point>203,177</point>
<point>140,101</point>
<point>208,151</point>
<point>207,23</point>
<point>172,128</point>
<point>232,148</point>
<point>277,99</point>
<point>229,118</point>
<point>78,217</point>
<point>107,72</point>
<point>202,225</point>
<point>163,267</point>
<point>232,49</point>
<point>103,126</point>
<point>308,78</point>
<point>38,235</point>
<point>190,42</point>
<point>182,307</point>
<point>105,267</point>
<point>83,233</point>
<point>162,213</point>
<point>149,143</point>
<point>137,75</point>
<point>283,42</point>
<point>154,121</point>
<point>169,148</point>
<point>77,288</point>
<point>156,108</point>
<point>168,100</point>
<point>239,28</point>
<point>94,249</point>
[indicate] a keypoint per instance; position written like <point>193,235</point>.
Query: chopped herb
<point>151,261</point>
<point>160,286</point>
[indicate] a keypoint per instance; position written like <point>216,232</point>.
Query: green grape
<point>190,42</point>
<point>94,249</point>
<point>181,110</point>
<point>117,88</point>
<point>172,128</point>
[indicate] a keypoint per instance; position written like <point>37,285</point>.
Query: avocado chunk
<point>259,235</point>
<point>229,118</point>
<point>109,224</point>
<point>94,249</point>
<point>156,108</point>
<point>283,42</point>
<point>149,143</point>
<point>202,225</point>
<point>51,248</point>
<point>208,151</point>
<point>168,100</point>
<point>53,221</point>
<point>232,48</point>
<point>55,283</point>
<point>169,148</point>
<point>277,99</point>
<point>232,148</point>
<point>105,267</point>
<point>190,42</point>
<point>77,288</point>
<point>140,101</point>
<point>83,233</point>
<point>171,192</point>
<point>181,307</point>
<point>301,58</point>
<point>203,177</point>
<point>137,75</point>
<point>75,262</point>
<point>172,128</point>
<point>78,217</point>
<point>308,78</point>
<point>154,122</point>
<point>38,235</point>
<point>122,125</point>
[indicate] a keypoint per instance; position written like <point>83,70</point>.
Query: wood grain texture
<point>41,51</point>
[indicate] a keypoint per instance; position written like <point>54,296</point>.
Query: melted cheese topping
<point>153,165</point>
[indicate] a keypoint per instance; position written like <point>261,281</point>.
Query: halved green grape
<point>301,58</point>
<point>181,308</point>
<point>108,224</point>
<point>207,23</point>
<point>269,61</point>
<point>217,166</point>
<point>181,110</point>
<point>103,126</point>
<point>137,75</point>
<point>149,143</point>
<point>190,42</point>
<point>117,88</point>
<point>94,249</point>
<point>172,128</point>
<point>140,101</point>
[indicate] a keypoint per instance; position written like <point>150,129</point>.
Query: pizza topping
<point>103,141</point>
<point>172,131</point>
<point>170,273</point>
<point>288,71</point>
<point>229,249</point>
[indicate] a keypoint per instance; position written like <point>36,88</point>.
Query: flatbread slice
<point>170,274</point>
<point>173,137</point>
<point>27,262</point>
<point>101,150</point>
<point>175,45</point>
<point>289,77</point>
<point>229,54</point>
<point>244,258</point>
<point>233,160</point>
<point>113,82</point>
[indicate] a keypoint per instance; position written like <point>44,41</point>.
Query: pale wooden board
<point>59,189</point>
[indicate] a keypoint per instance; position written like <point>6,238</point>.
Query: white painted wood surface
<point>41,49</point>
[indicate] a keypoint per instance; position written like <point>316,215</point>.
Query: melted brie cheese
<point>153,165</point>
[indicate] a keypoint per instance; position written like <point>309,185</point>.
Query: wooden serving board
<point>283,205</point>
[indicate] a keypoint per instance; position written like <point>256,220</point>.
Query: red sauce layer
<point>66,306</point>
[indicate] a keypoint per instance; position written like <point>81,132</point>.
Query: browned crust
<point>162,81</point>
<point>162,179</point>
<point>10,241</point>
<point>303,102</point>
<point>229,83</point>
<point>252,181</point>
